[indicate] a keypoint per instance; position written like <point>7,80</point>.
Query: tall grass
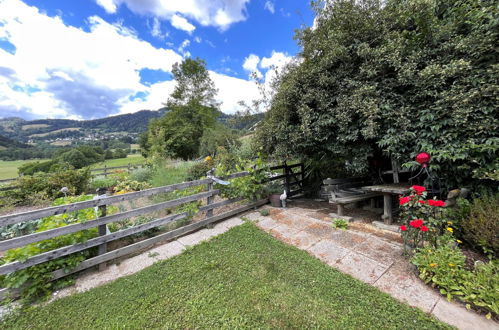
<point>169,173</point>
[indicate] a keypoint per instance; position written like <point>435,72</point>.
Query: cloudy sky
<point>94,58</point>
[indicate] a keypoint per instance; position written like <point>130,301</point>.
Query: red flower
<point>422,202</point>
<point>418,189</point>
<point>416,223</point>
<point>436,203</point>
<point>404,200</point>
<point>403,228</point>
<point>424,228</point>
<point>423,158</point>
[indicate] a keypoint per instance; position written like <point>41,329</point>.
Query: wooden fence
<point>290,178</point>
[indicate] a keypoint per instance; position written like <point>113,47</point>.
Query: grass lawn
<point>133,159</point>
<point>8,168</point>
<point>242,279</point>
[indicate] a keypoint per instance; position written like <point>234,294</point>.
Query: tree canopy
<point>192,109</point>
<point>395,77</point>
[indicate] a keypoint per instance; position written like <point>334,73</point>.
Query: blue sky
<point>93,58</point>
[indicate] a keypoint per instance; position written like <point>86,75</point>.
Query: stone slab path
<point>368,257</point>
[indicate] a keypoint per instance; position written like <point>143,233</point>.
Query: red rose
<point>423,158</point>
<point>403,228</point>
<point>424,228</point>
<point>404,200</point>
<point>416,223</point>
<point>422,202</point>
<point>418,189</point>
<point>436,203</point>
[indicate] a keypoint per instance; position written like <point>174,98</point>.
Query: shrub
<point>198,170</point>
<point>102,183</point>
<point>142,174</point>
<point>35,281</point>
<point>48,185</point>
<point>129,186</point>
<point>481,228</point>
<point>443,267</point>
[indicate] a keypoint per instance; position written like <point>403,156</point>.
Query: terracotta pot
<point>275,200</point>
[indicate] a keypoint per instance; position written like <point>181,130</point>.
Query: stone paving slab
<point>380,250</point>
<point>328,252</point>
<point>348,239</point>
<point>321,229</point>
<point>267,224</point>
<point>361,267</point>
<point>304,240</point>
<point>457,315</point>
<point>293,220</point>
<point>283,232</point>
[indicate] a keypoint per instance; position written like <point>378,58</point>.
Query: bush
<point>481,228</point>
<point>443,267</point>
<point>48,185</point>
<point>102,183</point>
<point>34,167</point>
<point>198,170</point>
<point>142,174</point>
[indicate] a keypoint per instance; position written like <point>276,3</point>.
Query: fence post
<point>129,168</point>
<point>302,177</point>
<point>209,200</point>
<point>105,170</point>
<point>286,178</point>
<point>102,212</point>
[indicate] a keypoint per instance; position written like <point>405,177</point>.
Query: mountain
<point>24,130</point>
<point>9,143</point>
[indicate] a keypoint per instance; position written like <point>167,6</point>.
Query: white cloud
<point>62,71</point>
<point>156,28</point>
<point>198,40</point>
<point>108,5</point>
<point>218,13</point>
<point>183,46</point>
<point>251,64</point>
<point>182,24</point>
<point>269,5</point>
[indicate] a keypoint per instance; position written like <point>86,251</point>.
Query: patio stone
<point>166,251</point>
<point>320,229</point>
<point>348,239</point>
<point>296,221</point>
<point>381,251</point>
<point>304,240</point>
<point>456,314</point>
<point>361,267</point>
<point>401,282</point>
<point>230,223</point>
<point>254,216</point>
<point>284,232</point>
<point>328,251</point>
<point>194,238</point>
<point>267,224</point>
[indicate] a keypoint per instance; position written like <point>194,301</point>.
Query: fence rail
<point>289,177</point>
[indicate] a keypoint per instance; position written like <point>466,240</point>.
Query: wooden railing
<point>289,177</point>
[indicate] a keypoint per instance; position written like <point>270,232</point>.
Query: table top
<point>392,188</point>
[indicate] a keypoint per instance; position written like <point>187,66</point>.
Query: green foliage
<point>199,169</point>
<point>193,110</point>
<point>444,267</point>
<point>126,186</point>
<point>216,137</point>
<point>264,212</point>
<point>34,167</point>
<point>108,182</point>
<point>339,224</point>
<point>481,227</point>
<point>396,77</point>
<point>251,186</point>
<point>239,280</point>
<point>142,174</point>
<point>35,281</point>
<point>31,189</point>
<point>165,174</point>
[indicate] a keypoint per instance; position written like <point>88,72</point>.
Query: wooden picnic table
<point>388,190</point>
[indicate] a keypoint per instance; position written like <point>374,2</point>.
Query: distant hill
<point>23,130</point>
<point>9,143</point>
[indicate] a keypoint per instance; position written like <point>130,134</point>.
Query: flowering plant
<point>424,220</point>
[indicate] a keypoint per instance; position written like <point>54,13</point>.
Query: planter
<point>275,200</point>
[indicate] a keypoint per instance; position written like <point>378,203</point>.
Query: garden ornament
<point>283,198</point>
<point>65,191</point>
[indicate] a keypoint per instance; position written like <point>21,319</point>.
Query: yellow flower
<point>449,222</point>
<point>433,265</point>
<point>459,241</point>
<point>451,265</point>
<point>207,158</point>
<point>449,229</point>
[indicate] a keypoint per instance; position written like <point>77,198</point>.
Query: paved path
<point>369,258</point>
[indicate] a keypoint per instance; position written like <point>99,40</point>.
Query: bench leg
<point>373,203</point>
<point>340,209</point>
<point>387,210</point>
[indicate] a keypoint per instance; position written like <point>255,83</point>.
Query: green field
<point>243,279</point>
<point>133,159</point>
<point>8,168</point>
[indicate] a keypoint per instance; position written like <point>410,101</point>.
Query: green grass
<point>242,279</point>
<point>167,174</point>
<point>133,159</point>
<point>8,168</point>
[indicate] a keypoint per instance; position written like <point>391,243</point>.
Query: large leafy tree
<point>192,109</point>
<point>394,77</point>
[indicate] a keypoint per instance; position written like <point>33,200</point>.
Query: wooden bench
<point>342,201</point>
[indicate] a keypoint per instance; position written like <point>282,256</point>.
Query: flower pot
<point>275,200</point>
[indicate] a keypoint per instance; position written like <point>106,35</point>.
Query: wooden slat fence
<point>289,177</point>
